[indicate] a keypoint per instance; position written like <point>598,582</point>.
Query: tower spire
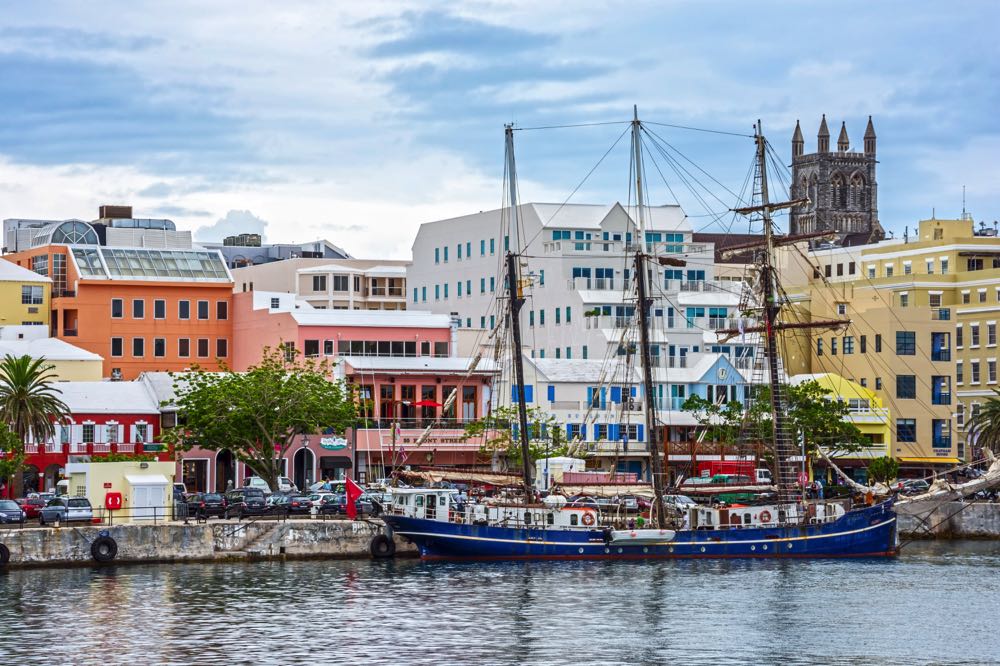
<point>870,138</point>
<point>823,137</point>
<point>843,141</point>
<point>798,143</point>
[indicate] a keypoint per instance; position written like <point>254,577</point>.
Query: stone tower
<point>840,186</point>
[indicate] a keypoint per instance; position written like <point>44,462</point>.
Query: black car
<point>10,512</point>
<point>338,506</point>
<point>206,504</point>
<point>244,502</point>
<point>291,503</point>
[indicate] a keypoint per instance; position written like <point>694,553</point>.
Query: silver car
<point>66,509</point>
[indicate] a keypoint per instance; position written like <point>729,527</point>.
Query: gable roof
<point>11,272</point>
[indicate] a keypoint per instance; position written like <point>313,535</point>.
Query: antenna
<point>963,202</point>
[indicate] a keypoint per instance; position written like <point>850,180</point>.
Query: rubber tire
<point>382,547</point>
<point>4,555</point>
<point>104,549</point>
<point>41,520</point>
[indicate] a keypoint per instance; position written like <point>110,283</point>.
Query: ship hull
<point>866,532</point>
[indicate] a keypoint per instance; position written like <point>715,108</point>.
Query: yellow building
<point>146,487</point>
<point>68,362</point>
<point>922,331</point>
<point>867,414</point>
<point>24,296</point>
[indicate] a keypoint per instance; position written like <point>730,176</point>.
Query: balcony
<point>616,448</point>
<point>586,283</point>
<point>868,415</point>
<point>568,405</point>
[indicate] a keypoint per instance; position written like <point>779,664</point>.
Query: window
<point>940,390</point>
<point>841,309</point>
<point>871,272</point>
<point>423,294</point>
<point>541,317</point>
<point>184,309</point>
<point>906,430</point>
<point>906,387</point>
<point>583,351</point>
<point>117,347</point>
<point>482,248</point>
<point>117,308</point>
<point>311,348</point>
<point>833,346</point>
<point>959,337</point>
<point>569,352</point>
<point>888,270</point>
<point>848,344</point>
<point>458,252</point>
<point>341,283</point>
<point>319,282</point>
<point>492,246</point>
<point>183,347</point>
<point>959,373</point>
<point>966,298</point>
<point>112,432</point>
<point>159,309</point>
<point>32,295</point>
<point>878,383</point>
<point>944,265</point>
<point>940,347</point>
<point>851,268</point>
<point>991,371</point>
<point>568,317</point>
<point>446,291</point>
<point>275,303</point>
<point>907,267</point>
<point>159,347</point>
<point>840,270</point>
<point>991,334</point>
<point>558,352</point>
<point>88,432</point>
<point>878,343</point>
<point>138,308</point>
<point>202,309</point>
<point>940,433</point>
<point>819,346</point>
<point>203,347</point>
<point>904,300</point>
<point>906,343</point>
<point>828,270</point>
<point>930,266</point>
<point>141,433</point>
<point>975,264</point>
<point>973,372</point>
<point>558,312</point>
<point>864,344</point>
<point>445,248</point>
<point>973,335</point>
<point>982,295</point>
<point>222,310</point>
<point>492,285</point>
<point>138,347</point>
<point>437,255</point>
<point>934,300</point>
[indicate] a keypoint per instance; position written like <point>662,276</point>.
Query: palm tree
<point>983,427</point>
<point>29,403</point>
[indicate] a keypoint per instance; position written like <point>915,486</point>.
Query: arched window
<point>839,190</point>
<point>858,190</point>
<point>74,233</point>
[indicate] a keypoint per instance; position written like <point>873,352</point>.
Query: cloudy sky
<point>357,121</point>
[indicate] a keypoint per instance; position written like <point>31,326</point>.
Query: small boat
<point>791,527</point>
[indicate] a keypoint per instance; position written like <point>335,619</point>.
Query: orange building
<point>142,309</point>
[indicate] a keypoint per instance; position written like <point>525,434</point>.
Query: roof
<point>51,349</point>
<point>108,397</point>
<point>580,370</point>
<point>147,480</point>
<point>373,318</point>
<point>418,364</point>
<point>592,216</point>
<point>11,272</point>
<point>107,263</point>
<point>377,270</point>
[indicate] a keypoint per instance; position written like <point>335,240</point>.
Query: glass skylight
<point>152,264</point>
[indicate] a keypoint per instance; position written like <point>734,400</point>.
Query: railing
<point>54,447</point>
<point>941,314</point>
<point>704,286</point>
<point>31,448</point>
<point>616,447</point>
<point>579,283</point>
<point>415,423</point>
<point>677,362</point>
<point>941,442</point>
<point>566,404</point>
<point>941,355</point>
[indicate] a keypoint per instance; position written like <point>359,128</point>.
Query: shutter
<point>529,393</point>
<point>100,434</point>
<point>616,394</point>
<point>57,433</point>
<point>569,431</point>
<point>604,398</point>
<point>513,392</point>
<point>76,434</point>
<point>131,433</point>
<point>590,396</point>
<point>613,432</point>
<point>640,434</point>
<point>552,393</point>
<point>634,391</point>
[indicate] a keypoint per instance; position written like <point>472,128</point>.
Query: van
<point>285,484</point>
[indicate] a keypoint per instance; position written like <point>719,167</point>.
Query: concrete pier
<point>957,520</point>
<point>215,540</point>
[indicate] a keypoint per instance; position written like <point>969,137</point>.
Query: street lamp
<point>305,471</point>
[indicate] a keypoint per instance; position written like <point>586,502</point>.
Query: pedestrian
<point>631,523</point>
<point>819,488</point>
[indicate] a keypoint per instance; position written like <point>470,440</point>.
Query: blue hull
<point>866,532</point>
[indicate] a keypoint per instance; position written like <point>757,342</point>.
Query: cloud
<point>235,222</point>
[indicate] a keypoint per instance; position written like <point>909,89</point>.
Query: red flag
<point>354,491</point>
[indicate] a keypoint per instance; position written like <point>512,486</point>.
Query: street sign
<point>803,478</point>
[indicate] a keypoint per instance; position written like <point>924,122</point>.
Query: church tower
<point>840,186</point>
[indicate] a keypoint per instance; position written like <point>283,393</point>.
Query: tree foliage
<point>29,403</point>
<point>812,416</point>
<point>883,470</point>
<point>11,458</point>
<point>546,437</point>
<point>983,427</point>
<point>257,414</point>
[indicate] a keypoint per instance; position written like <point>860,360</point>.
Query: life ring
<point>765,516</point>
<point>4,555</point>
<point>104,549</point>
<point>382,547</point>
<point>588,519</point>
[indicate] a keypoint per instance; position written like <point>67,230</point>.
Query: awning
<point>335,462</point>
<point>147,480</point>
<point>931,461</point>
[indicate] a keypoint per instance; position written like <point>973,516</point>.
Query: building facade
<point>840,186</point>
<point>25,296</point>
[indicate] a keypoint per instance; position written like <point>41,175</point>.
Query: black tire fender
<point>382,547</point>
<point>4,555</point>
<point>104,549</point>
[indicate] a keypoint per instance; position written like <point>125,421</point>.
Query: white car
<point>679,502</point>
<point>285,484</point>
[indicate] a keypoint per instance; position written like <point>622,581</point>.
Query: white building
<point>581,301</point>
<point>347,284</point>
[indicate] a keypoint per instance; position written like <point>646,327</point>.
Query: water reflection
<point>935,604</point>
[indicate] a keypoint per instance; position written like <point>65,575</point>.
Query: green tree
<point>11,458</point>
<point>883,470</point>
<point>257,414</point>
<point>983,427</point>
<point>29,403</point>
<point>546,437</point>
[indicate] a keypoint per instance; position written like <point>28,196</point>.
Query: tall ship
<point>522,526</point>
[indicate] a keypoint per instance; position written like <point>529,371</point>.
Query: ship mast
<point>515,302</point>
<point>644,304</point>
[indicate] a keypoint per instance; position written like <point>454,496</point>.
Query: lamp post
<point>305,472</point>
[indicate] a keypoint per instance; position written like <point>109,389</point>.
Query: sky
<point>358,121</point>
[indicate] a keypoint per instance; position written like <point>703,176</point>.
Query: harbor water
<point>937,603</point>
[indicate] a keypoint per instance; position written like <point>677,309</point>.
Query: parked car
<point>244,502</point>
<point>337,505</point>
<point>11,512</point>
<point>207,504</point>
<point>679,502</point>
<point>285,484</point>
<point>31,506</point>
<point>296,503</point>
<point>180,492</point>
<point>913,486</point>
<point>66,509</point>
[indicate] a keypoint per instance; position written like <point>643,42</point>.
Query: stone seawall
<point>176,542</point>
<point>977,520</point>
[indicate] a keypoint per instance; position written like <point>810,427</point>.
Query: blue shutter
<point>616,394</point>
<point>529,393</point>
<point>513,392</point>
<point>613,432</point>
<point>569,431</point>
<point>640,434</point>
<point>634,391</point>
<point>590,396</point>
<point>604,398</point>
<point>552,393</point>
